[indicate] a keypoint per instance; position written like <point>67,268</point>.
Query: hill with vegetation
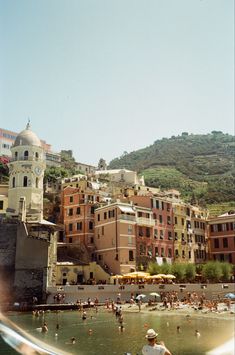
<point>201,167</point>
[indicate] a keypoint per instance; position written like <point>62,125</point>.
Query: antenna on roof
<point>28,124</point>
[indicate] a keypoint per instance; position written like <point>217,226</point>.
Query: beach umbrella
<point>116,277</point>
<point>160,276</point>
<point>156,277</point>
<point>139,297</point>
<point>169,276</point>
<point>136,274</point>
<point>230,295</point>
<point>155,294</point>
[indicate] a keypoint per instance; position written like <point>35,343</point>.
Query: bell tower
<point>26,177</point>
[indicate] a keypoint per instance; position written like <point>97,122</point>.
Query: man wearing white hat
<point>152,348</point>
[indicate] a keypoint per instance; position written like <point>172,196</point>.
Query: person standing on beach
<point>153,348</point>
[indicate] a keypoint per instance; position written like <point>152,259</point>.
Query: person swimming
<point>197,334</point>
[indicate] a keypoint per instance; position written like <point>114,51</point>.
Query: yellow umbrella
<point>136,274</point>
<point>156,277</point>
<point>116,277</point>
<point>169,276</point>
<point>161,275</point>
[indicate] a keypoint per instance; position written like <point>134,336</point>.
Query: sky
<point>101,77</point>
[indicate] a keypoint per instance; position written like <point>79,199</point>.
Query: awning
<point>126,209</point>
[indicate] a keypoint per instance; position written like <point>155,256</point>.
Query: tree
<point>165,268</point>
<point>190,272</point>
<point>227,271</point>
<point>212,271</point>
<point>153,268</point>
<point>178,270</point>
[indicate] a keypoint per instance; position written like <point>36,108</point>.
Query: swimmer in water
<point>73,340</point>
<point>197,334</point>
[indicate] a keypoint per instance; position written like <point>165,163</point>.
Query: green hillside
<point>200,166</point>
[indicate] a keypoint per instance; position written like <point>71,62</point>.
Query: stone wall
<point>8,233</point>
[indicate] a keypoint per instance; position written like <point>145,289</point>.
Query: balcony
<point>145,221</point>
<point>126,217</point>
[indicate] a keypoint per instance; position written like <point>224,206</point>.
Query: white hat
<point>151,334</point>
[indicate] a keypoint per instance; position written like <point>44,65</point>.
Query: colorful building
<point>221,237</point>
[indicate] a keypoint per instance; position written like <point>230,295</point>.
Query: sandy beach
<point>185,310</point>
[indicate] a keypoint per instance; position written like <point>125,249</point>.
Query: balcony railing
<point>145,221</point>
<point>126,217</point>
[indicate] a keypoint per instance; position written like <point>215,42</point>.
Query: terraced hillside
<point>200,166</point>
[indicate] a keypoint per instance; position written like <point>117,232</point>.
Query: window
<point>70,227</point>
<point>162,252</point>
<point>79,226</point>
<point>102,230</point>
<point>157,204</point>
<point>37,181</point>
<point>131,255</point>
<point>189,254</point>
<point>92,209</point>
<point>14,182</point>
<point>140,232</point>
<point>156,251</point>
<point>147,232</point>
<point>225,242</point>
<point>139,214</point>
<point>168,220</point>
<point>168,207</point>
<point>154,216</point>
<point>98,217</point>
<point>169,235</point>
<point>70,212</point>
<point>26,155</point>
<point>91,240</point>
<point>161,234</point>
<point>169,253</point>
<point>183,254</point>
<point>70,239</point>
<point>105,215</point>
<point>176,236</point>
<point>16,155</point>
<point>25,181</point>
<point>1,205</point>
<point>182,221</point>
<point>216,243</point>
<point>155,233</point>
<point>71,199</point>
<point>78,210</point>
<point>176,221</point>
<point>129,229</point>
<point>176,252</point>
<point>90,225</point>
<point>160,218</point>
<point>182,237</point>
<point>36,155</point>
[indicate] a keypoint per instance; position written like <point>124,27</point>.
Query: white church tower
<point>25,196</point>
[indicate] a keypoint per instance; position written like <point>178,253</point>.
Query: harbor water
<point>100,333</point>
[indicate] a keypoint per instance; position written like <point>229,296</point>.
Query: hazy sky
<point>102,77</point>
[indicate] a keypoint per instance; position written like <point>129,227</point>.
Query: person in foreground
<point>154,348</point>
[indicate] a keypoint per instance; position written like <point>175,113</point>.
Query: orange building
<point>77,215</point>
<point>115,237</point>
<point>163,227</point>
<point>221,237</point>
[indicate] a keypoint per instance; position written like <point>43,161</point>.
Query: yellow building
<point>69,273</point>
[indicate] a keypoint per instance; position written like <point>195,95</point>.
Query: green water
<point>107,339</point>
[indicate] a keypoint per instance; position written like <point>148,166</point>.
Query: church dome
<point>27,137</point>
